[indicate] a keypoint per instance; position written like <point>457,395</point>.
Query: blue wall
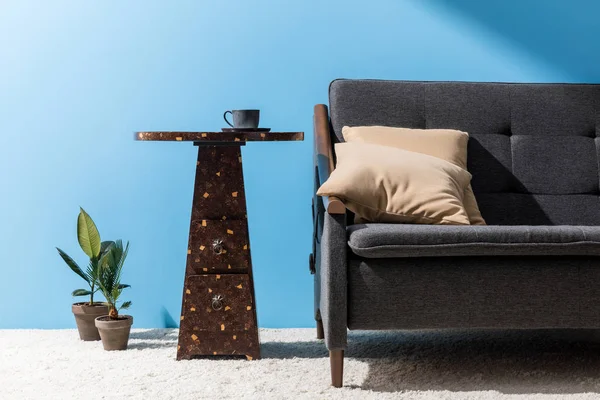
<point>78,77</point>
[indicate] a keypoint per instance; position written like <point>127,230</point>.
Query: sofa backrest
<point>533,150</point>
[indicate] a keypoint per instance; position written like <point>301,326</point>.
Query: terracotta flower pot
<point>114,334</point>
<point>85,316</point>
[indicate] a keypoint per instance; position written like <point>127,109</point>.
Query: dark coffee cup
<point>243,119</point>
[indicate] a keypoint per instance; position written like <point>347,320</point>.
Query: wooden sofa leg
<point>336,360</point>
<point>320,332</point>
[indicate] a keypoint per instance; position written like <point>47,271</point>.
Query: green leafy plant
<point>89,241</point>
<point>109,278</point>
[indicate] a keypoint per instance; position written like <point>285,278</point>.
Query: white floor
<point>37,364</point>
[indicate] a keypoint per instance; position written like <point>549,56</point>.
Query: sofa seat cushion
<point>403,240</point>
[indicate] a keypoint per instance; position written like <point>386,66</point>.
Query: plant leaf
<point>123,257</point>
<point>93,270</point>
<point>126,305</point>
<point>81,292</point>
<point>109,274</point>
<point>88,235</point>
<point>73,265</point>
<point>105,246</point>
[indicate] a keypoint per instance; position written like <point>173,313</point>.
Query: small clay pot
<point>85,316</point>
<point>114,333</point>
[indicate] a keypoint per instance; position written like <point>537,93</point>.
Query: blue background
<point>77,78</point>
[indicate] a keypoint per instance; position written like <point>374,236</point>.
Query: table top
<point>220,137</point>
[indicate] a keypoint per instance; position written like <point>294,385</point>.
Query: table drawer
<point>217,303</point>
<point>218,246</point>
<point>205,343</point>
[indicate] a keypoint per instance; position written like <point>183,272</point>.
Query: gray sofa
<point>534,155</point>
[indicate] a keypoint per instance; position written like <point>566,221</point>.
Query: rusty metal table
<point>218,313</point>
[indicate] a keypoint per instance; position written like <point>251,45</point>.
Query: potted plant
<point>89,241</point>
<point>114,328</point>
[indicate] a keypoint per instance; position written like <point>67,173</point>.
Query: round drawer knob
<point>217,302</point>
<point>218,247</point>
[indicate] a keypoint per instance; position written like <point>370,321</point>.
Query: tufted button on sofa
<point>534,155</point>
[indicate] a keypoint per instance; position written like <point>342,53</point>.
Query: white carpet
<point>55,365</point>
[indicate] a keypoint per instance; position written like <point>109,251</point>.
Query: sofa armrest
<point>323,156</point>
<point>330,242</point>
<point>331,280</point>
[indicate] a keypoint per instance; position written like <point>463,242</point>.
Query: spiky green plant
<point>89,241</point>
<point>109,278</point>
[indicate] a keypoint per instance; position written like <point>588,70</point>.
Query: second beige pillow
<point>386,184</point>
<point>447,144</point>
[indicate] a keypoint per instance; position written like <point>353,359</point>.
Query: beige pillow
<point>386,184</point>
<point>447,144</point>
